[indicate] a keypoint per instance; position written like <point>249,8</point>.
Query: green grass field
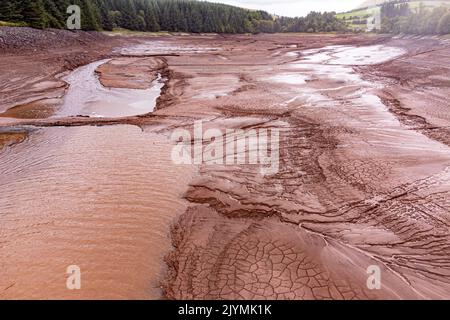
<point>360,14</point>
<point>357,13</point>
<point>12,24</point>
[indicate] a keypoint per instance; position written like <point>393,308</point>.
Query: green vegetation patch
<point>13,24</point>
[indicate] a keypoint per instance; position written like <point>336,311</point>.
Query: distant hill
<point>370,3</point>
<point>155,15</point>
<point>400,16</point>
<point>373,3</point>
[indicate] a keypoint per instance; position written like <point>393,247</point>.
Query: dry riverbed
<point>363,180</point>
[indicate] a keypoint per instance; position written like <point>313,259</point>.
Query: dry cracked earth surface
<point>363,177</point>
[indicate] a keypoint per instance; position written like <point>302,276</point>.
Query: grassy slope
<point>12,24</point>
<point>357,13</point>
<point>361,13</point>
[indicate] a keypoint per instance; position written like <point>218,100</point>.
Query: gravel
<point>24,38</point>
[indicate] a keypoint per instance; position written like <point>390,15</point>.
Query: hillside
<point>424,17</point>
<point>156,15</point>
<point>374,3</point>
<point>370,3</point>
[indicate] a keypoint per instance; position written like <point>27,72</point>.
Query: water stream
<point>87,97</point>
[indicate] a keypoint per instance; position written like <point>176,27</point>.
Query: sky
<point>293,8</point>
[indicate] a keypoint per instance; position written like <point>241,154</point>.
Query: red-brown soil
<point>358,185</point>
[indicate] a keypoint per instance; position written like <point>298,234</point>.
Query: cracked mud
<point>364,176</point>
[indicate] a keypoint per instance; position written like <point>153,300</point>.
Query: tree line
<point>167,15</point>
<point>398,17</point>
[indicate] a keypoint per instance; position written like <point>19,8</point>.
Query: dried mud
<point>364,173</point>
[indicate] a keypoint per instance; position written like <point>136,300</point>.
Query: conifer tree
<point>6,10</point>
<point>33,13</point>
